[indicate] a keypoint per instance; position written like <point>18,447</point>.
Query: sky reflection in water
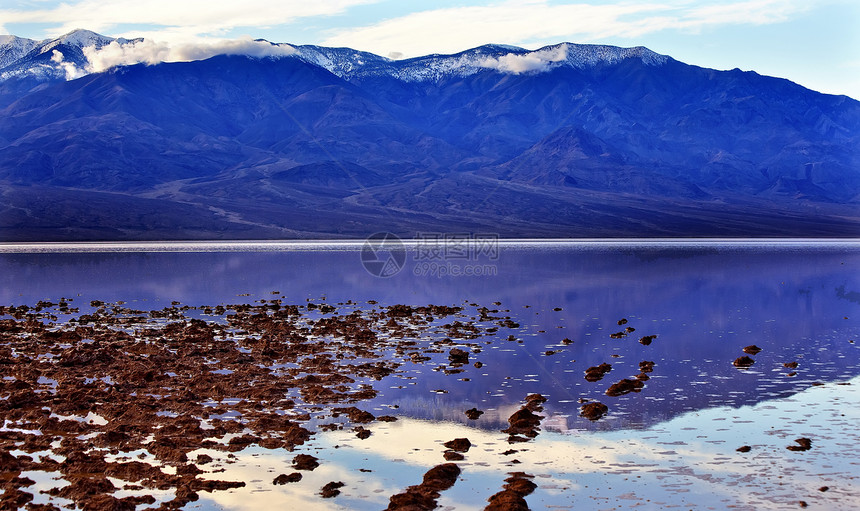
<point>704,301</point>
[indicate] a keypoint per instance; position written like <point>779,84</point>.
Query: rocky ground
<point>115,401</point>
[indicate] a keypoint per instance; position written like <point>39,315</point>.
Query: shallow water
<point>673,443</point>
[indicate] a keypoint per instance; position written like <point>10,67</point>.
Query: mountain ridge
<point>624,143</point>
<point>52,58</point>
<point>20,57</point>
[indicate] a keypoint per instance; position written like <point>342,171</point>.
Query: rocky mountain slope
<point>568,140</point>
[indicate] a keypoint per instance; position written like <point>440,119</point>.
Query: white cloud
<point>115,54</point>
<point>536,61</point>
<point>247,47</point>
<point>539,22</point>
<point>755,12</point>
<point>187,18</point>
<point>72,71</point>
<point>150,52</point>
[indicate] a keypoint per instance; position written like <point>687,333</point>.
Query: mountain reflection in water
<point>704,301</point>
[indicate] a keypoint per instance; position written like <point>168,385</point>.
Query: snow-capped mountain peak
<point>348,64</point>
<point>78,38</point>
<point>60,58</point>
<point>64,58</point>
<point>342,62</point>
<point>14,48</point>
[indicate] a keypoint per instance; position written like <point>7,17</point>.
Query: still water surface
<point>704,300</point>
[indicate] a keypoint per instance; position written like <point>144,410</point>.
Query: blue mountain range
<point>564,141</point>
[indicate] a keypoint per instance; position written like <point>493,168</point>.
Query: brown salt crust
<point>744,448</point>
<point>139,500</point>
<point>44,507</point>
<point>287,478</point>
<point>84,488</point>
<point>512,497</point>
<point>524,421</point>
<point>271,443</point>
<point>362,433</point>
<point>13,498</point>
<point>521,483</point>
<point>211,485</point>
<point>752,349</point>
<point>743,362</point>
<point>790,365</point>
<point>412,500</point>
<point>513,439</point>
<point>168,367</point>
<point>458,357</point>
<point>331,489</point>
<point>453,456</point>
<point>647,340</point>
<point>624,386</point>
<point>473,413</point>
<point>305,462</point>
<point>803,444</point>
<point>12,479</point>
<point>9,462</point>
<point>622,321</point>
<point>594,410</point>
<point>135,471</point>
<point>355,415</point>
<point>424,495</point>
<point>458,444</point>
<point>534,402</point>
<point>103,501</point>
<point>646,366</point>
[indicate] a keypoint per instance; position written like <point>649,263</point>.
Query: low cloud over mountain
<point>253,139</point>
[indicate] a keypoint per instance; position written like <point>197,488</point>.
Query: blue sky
<point>815,43</point>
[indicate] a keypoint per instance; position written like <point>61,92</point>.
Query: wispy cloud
<point>754,12</point>
<point>539,22</point>
<point>533,62</point>
<point>423,31</point>
<point>184,19</point>
<point>150,52</point>
<point>72,71</point>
